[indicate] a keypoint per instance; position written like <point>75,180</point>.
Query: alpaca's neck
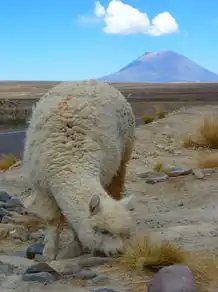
<point>79,183</point>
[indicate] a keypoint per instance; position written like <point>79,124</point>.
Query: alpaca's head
<point>110,217</point>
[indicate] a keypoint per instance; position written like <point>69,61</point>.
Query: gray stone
<point>21,210</point>
<point>34,249</point>
<point>4,196</point>
<point>13,203</point>
<point>198,173</point>
<point>85,275</point>
<point>3,213</point>
<point>100,279</point>
<point>42,277</point>
<point>7,219</point>
<point>42,267</point>
<point>175,278</point>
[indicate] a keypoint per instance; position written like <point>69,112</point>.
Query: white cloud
<point>121,18</point>
<point>99,9</point>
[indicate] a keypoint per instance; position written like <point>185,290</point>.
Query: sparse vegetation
<point>207,136</point>
<point>148,119</point>
<point>144,254</point>
<point>160,111</point>
<point>161,115</point>
<point>8,161</point>
<point>159,167</point>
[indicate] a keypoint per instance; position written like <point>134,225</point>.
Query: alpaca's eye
<point>103,231</point>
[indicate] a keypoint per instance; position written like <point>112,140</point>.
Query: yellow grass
<point>207,135</point>
<point>208,160</point>
<point>146,255</point>
<point>148,119</point>
<point>8,161</point>
<point>159,167</point>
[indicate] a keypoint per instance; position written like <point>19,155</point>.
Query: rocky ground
<point>181,209</point>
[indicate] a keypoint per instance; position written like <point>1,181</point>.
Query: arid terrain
<point>17,98</point>
<point>181,209</point>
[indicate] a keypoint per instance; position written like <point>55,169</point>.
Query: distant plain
<point>17,98</point>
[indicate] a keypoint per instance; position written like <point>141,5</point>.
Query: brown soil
<point>182,209</point>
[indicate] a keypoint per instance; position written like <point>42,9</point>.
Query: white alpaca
<point>79,140</point>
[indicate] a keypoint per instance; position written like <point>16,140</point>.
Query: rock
<point>177,171</point>
<point>7,219</point>
<point>100,279</point>
<point>42,277</point>
<point>42,267</point>
<point>175,278</point>
<point>198,173</point>
<point>154,177</point>
<point>13,203</point>
<point>21,210</point>
<point>85,274</point>
<point>4,196</point>
<point>34,249</point>
<point>3,213</point>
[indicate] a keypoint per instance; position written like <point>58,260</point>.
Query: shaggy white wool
<point>76,139</point>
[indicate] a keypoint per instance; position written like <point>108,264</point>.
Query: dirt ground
<point>182,209</point>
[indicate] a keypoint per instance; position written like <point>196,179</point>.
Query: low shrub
<point>148,119</point>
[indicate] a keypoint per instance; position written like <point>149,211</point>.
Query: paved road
<point>13,142</point>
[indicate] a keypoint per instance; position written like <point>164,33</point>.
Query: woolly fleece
<point>79,135</point>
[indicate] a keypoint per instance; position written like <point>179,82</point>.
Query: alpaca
<point>79,140</point>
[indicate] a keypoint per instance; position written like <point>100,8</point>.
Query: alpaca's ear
<point>129,202</point>
<point>94,205</point>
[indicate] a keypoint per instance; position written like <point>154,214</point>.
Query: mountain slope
<point>162,66</point>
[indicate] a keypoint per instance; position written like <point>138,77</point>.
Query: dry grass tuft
<point>8,161</point>
<point>160,111</point>
<point>208,160</point>
<point>148,119</point>
<point>207,135</point>
<point>146,255</point>
<point>159,167</point>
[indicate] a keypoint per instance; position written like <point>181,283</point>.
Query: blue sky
<point>72,40</point>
